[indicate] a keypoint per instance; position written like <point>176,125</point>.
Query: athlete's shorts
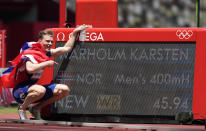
<point>20,92</point>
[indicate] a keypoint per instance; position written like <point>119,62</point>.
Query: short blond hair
<point>44,32</point>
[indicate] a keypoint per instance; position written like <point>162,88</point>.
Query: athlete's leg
<point>35,93</point>
<point>60,91</point>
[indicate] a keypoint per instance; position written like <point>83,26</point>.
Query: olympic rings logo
<point>185,34</point>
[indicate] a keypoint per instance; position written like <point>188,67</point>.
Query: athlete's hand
<point>50,63</point>
<point>80,28</point>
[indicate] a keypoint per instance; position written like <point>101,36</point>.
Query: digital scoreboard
<point>133,78</point>
<point>132,72</point>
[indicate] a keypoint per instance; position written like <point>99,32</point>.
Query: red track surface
<point>31,127</point>
<point>11,116</point>
<point>38,126</point>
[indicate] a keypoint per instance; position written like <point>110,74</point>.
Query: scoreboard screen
<point>127,78</point>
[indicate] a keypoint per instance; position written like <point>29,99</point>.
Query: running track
<point>41,125</point>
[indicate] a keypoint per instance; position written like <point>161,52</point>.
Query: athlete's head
<point>45,37</point>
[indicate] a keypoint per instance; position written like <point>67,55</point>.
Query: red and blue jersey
<point>17,73</point>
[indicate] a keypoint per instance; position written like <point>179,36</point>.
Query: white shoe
<point>22,114</point>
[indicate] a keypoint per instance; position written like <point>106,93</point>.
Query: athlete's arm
<point>34,68</point>
<point>69,44</point>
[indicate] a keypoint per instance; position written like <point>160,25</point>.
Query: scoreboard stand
<point>148,72</point>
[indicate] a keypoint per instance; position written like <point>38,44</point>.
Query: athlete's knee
<point>66,89</point>
<point>63,89</point>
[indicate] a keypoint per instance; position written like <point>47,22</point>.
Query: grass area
<point>9,109</point>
